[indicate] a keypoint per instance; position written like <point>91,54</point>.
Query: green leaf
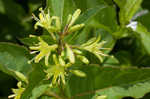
<point>111,61</point>
<point>39,90</point>
<point>13,60</point>
<point>127,10</point>
<point>124,58</point>
<point>35,79</point>
<point>144,36</point>
<point>144,19</point>
<point>106,19</point>
<point>56,7</point>
<point>89,13</point>
<point>105,78</point>
<point>136,90</point>
<point>69,8</point>
<point>61,8</point>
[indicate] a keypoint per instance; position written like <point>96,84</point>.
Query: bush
<point>75,49</point>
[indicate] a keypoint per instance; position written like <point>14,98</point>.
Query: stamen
<point>33,52</point>
<point>34,17</point>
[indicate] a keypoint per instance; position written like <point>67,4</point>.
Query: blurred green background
<point>16,22</point>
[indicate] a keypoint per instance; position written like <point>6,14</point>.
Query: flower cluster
<point>62,54</point>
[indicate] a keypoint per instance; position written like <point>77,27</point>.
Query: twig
<point>52,94</point>
<point>89,92</point>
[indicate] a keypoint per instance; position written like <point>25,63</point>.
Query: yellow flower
<point>94,46</point>
<point>56,71</point>
<point>17,92</point>
<point>44,49</point>
<point>46,21</point>
<point>70,54</point>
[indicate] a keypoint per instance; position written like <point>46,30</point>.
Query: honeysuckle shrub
<point>75,56</point>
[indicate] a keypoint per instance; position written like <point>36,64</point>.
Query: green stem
<point>52,94</point>
<point>61,90</point>
<point>61,39</point>
<point>61,43</point>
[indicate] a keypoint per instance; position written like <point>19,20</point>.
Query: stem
<point>61,39</point>
<point>52,94</point>
<point>65,32</point>
<point>60,45</point>
<point>61,89</point>
<point>89,92</point>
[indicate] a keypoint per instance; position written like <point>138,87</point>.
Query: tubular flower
<point>94,46</point>
<point>71,20</point>
<point>57,71</point>
<point>44,49</point>
<point>70,54</point>
<point>81,57</point>
<point>17,92</point>
<point>46,21</point>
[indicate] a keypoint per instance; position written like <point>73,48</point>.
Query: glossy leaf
<point>135,90</point>
<point>89,13</point>
<point>56,7</point>
<point>144,36</point>
<point>61,8</point>
<point>35,78</point>
<point>13,60</point>
<point>127,10</point>
<point>107,78</point>
<point>39,90</point>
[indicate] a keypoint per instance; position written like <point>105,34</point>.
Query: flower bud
<point>70,54</point>
<point>61,61</point>
<point>78,73</point>
<point>55,59</point>
<point>69,19</point>
<point>75,28</point>
<point>89,42</point>
<point>76,51</point>
<point>47,58</point>
<point>83,59</point>
<point>74,17</point>
<point>21,76</point>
